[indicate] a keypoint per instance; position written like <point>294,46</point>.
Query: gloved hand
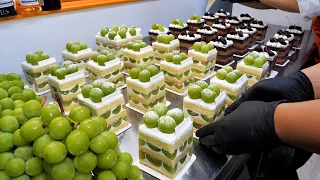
<point>295,88</point>
<point>249,128</point>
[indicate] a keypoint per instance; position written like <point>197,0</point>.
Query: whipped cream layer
<point>221,99</point>
<point>236,88</point>
<point>296,31</point>
<point>236,36</point>
<point>247,31</point>
<point>210,17</point>
<point>284,37</point>
<point>178,26</point>
<point>166,30</point>
<point>195,21</point>
<point>258,25</point>
<point>221,45</point>
<point>277,44</point>
<point>187,37</point>
<point>220,26</point>
<point>105,101</point>
<point>153,80</point>
<point>206,31</point>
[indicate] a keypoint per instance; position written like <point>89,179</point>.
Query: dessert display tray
<point>273,74</point>
<point>137,110</point>
<point>207,77</point>
<point>123,129</point>
<point>239,56</point>
<point>229,64</point>
<point>284,64</point>
<point>179,94</point>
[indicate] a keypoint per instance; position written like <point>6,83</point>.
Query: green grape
<point>166,39</point>
<point>31,130</point>
<point>102,122</point>
<point>64,170</point>
<point>34,59</point>
<point>108,88</point>
<point>23,152</point>
<point>134,73</point>
<point>136,47</point>
<point>121,170</point>
<point>254,54</point>
<point>215,88</point>
<point>176,114</point>
<point>194,92</point>
<point>132,31</point>
<point>238,73</point>
<point>34,166</point>
<point>259,62</point>
<point>99,144</point>
<point>221,74</point>
<point>177,59</point>
<point>4,158</point>
<point>205,49</point>
<point>104,32</point>
<point>7,103</point>
<point>15,167</point>
<point>85,90</point>
<point>90,127</point>
<point>3,93</point>
<point>153,70</point>
<point>77,142</point>
<point>44,56</point>
<point>17,140</point>
<point>32,109</point>
<point>54,152</point>
<point>169,57</point>
<point>96,95</point>
<point>167,124</point>
<point>6,112</point>
<point>135,172</point>
<point>72,68</point>
<point>125,157</point>
<point>144,76</point>
<point>59,128</point>
<point>112,34</point>
<point>48,113</point>
<point>208,96</point>
<point>53,69</point>
<point>9,124</point>
<point>248,60</point>
<point>79,114</point>
<point>122,34</point>
<point>6,85</point>
<point>112,139</point>
<point>5,141</point>
<point>68,46</point>
<point>154,26</point>
<point>14,89</point>
<point>39,144</point>
<point>160,38</point>
<point>151,119</point>
<point>231,77</point>
<point>82,176</point>
<point>75,48</point>
<point>202,84</point>
<point>86,162</point>
<point>107,159</point>
<point>227,68</point>
<point>197,46</point>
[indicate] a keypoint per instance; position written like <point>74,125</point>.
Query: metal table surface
<point>208,165</point>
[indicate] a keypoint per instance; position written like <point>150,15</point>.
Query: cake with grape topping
<point>177,71</point>
<point>298,34</point>
<point>105,100</point>
<point>164,44</point>
<point>177,27</point>
<point>246,18</point>
<point>36,69</point>
<point>261,29</point>
<point>79,53</point>
<point>157,29</point>
<point>204,59</point>
<point>222,14</point>
<point>233,82</point>
<point>146,87</point>
<point>255,66</point>
<point>204,104</point>
<point>286,35</point>
<point>187,39</point>
<point>234,21</point>
<point>282,47</point>
<point>252,32</point>
<point>106,66</point>
<point>241,42</point>
<point>207,33</point>
<point>225,50</point>
<point>116,38</point>
<point>137,53</point>
<point>271,57</point>
<point>194,23</point>
<point>165,140</point>
<point>209,18</point>
<point>65,83</point>
<point>223,27</point>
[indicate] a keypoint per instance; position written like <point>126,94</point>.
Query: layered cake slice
<point>209,18</point>
<point>225,50</point>
<point>106,66</point>
<point>261,29</point>
<point>204,104</point>
<point>105,100</point>
<point>268,53</point>
<point>36,69</point>
<point>78,53</point>
<point>234,21</point>
<point>164,44</point>
<point>298,34</point>
<point>177,27</point>
<point>255,66</point>
<point>282,47</point>
<point>187,39</point>
<point>246,18</point>
<point>204,59</point>
<point>177,71</point>
<point>157,29</point>
<point>165,141</point>
<point>207,33</point>
<point>223,27</point>
<point>222,14</point>
<point>286,35</point>
<point>65,83</point>
<point>137,53</point>
<point>194,23</point>
<point>252,32</point>
<point>116,38</point>
<point>233,82</point>
<point>146,88</point>
<point>241,42</point>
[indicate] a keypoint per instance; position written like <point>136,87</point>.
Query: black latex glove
<point>250,128</point>
<point>295,88</point>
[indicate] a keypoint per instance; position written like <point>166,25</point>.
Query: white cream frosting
<point>233,21</point>
<point>86,53</point>
<point>153,80</point>
<point>236,36</point>
<point>296,31</point>
<point>195,21</point>
<point>184,64</point>
<point>178,26</point>
<point>222,14</point>
<point>228,25</point>
<point>166,30</point>
<point>277,44</point>
<point>107,65</point>
<point>68,78</point>
<point>237,87</point>
<point>172,43</point>
<point>221,45</point>
<point>187,37</point>
<point>210,53</point>
<point>185,127</point>
<point>258,25</point>
<point>142,50</point>
<point>210,17</point>
<point>117,38</point>
<point>245,18</point>
<point>105,101</point>
<point>284,37</point>
<point>221,99</point>
<point>253,68</point>
<point>206,31</point>
<point>254,30</point>
<point>27,66</point>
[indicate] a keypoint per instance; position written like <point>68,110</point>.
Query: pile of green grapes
<point>38,143</point>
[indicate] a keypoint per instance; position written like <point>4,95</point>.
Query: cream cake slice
<point>204,59</point>
<point>36,72</point>
<point>166,147</point>
<point>178,73</point>
<point>157,29</point>
<point>110,106</point>
<point>164,44</point>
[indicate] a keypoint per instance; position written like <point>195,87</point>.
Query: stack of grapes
<point>38,143</point>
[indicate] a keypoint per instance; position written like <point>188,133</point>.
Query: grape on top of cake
<point>136,53</point>
<point>261,29</point>
<point>177,71</point>
<point>207,32</point>
<point>187,39</point>
<point>298,34</point>
<point>65,83</point>
<point>271,57</point>
<point>157,29</point>
<point>105,65</point>
<point>105,100</point>
<point>246,18</point>
<point>36,69</point>
<point>241,42</point>
<point>222,14</point>
<point>146,87</point>
<point>164,44</point>
<point>282,47</point>
<point>195,22</point>
<point>204,59</point>
<point>255,65</point>
<point>233,82</point>
<point>116,38</point>
<point>225,49</point>
<point>165,140</point>
<point>234,21</point>
<point>204,104</point>
<point>177,26</point>
<point>209,18</point>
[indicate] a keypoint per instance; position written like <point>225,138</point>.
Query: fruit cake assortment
<point>204,59</point>
<point>103,99</point>
<point>136,53</point>
<point>241,42</point>
<point>163,45</point>
<point>145,87</point>
<point>225,49</point>
<point>177,71</point>
<point>106,66</point>
<point>282,47</point>
<point>261,29</point>
<point>165,140</point>
<point>209,18</point>
<point>255,66</point>
<point>65,84</point>
<point>233,82</point>
<point>157,29</point>
<point>194,23</point>
<point>204,104</point>
<point>177,27</point>
<point>187,39</point>
<point>116,38</point>
<point>298,34</point>
<point>36,69</point>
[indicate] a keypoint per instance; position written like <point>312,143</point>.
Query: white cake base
<point>137,110</point>
<point>239,56</point>
<point>37,93</point>
<point>220,66</point>
<point>284,64</point>
<point>273,74</point>
<point>179,94</point>
<point>123,129</point>
<point>207,77</point>
<point>163,177</point>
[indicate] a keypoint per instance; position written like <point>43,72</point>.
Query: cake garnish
<point>207,13</point>
<point>282,41</point>
<point>260,23</point>
<point>161,38</point>
<point>255,59</point>
<point>228,74</point>
<point>62,72</point>
<point>191,34</point>
<point>195,18</point>
<point>143,73</point>
<point>104,56</point>
<point>240,33</point>
<point>258,49</point>
<point>202,47</point>
<point>273,40</point>
<point>184,33</point>
<point>176,57</point>
<point>74,47</point>
<point>223,40</point>
<point>34,58</point>
<point>287,33</point>
<point>157,27</point>
<point>222,11</point>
